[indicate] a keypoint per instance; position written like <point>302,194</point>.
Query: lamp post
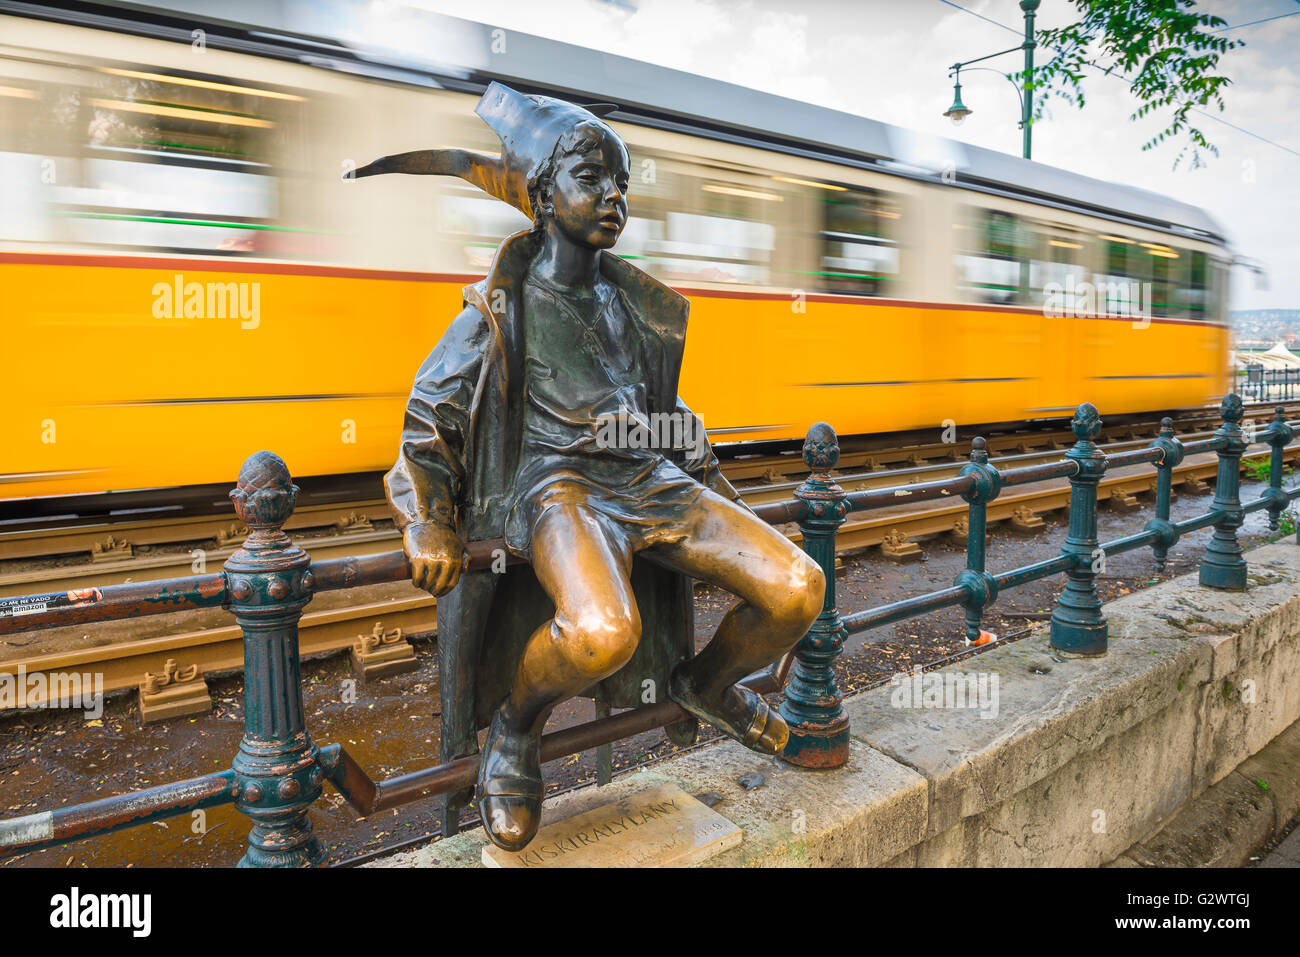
<point>959,111</point>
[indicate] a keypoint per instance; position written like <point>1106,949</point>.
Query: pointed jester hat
<point>529,128</point>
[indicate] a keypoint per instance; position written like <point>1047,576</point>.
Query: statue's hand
<point>436,554</point>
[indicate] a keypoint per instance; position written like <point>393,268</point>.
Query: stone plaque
<point>662,827</point>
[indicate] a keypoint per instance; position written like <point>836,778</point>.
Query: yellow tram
<point>187,274</point>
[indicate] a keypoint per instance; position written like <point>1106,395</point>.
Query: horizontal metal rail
<point>1077,624</point>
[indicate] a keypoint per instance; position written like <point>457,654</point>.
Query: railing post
<point>1171,455</point>
<point>1223,565</point>
<point>269,582</point>
<point>1078,627</point>
<point>819,726</point>
<point>980,587</point>
<point>1279,437</point>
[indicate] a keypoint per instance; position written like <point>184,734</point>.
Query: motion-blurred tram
<point>188,275</point>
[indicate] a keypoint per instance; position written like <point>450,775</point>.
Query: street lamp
<point>959,111</point>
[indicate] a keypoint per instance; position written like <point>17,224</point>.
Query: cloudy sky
<point>887,59</point>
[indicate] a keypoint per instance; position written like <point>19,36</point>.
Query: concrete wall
<point>1083,761</point>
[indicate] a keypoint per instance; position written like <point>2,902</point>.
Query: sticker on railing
<point>39,604</point>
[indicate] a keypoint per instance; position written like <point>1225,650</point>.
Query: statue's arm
<point>427,481</point>
<point>700,461</point>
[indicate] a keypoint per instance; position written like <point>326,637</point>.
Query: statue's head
<point>560,164</point>
<point>581,189</point>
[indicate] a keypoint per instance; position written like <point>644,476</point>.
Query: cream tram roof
<point>458,54</point>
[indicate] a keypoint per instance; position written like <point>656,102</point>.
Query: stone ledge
<point>861,815</point>
<point>1050,711</point>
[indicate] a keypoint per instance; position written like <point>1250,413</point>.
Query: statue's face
<point>589,198</point>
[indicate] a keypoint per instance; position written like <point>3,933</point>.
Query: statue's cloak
<point>459,457</point>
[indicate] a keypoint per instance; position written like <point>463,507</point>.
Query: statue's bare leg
<point>585,569</point>
<point>781,591</point>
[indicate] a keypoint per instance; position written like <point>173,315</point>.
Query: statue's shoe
<point>736,711</point>
<point>510,785</point>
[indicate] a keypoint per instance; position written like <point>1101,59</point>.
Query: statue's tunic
<point>584,371</point>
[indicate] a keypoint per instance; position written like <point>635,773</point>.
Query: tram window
<point>1152,273</point>
<point>688,225</point>
<point>1057,260</point>
<point>1164,266</point>
<point>165,207</point>
<point>640,235</point>
<point>158,161</point>
<point>715,249</point>
<point>475,223</point>
<point>995,267</point>
<point>858,254</point>
<point>1118,286</point>
<point>1216,295</point>
<point>27,141</point>
<point>1194,292</point>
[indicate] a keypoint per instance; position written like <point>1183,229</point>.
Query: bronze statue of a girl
<point>505,437</point>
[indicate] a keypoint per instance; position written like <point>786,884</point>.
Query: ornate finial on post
<point>1171,454</point>
<point>821,450</point>
<point>1078,627</point>
<point>265,496</point>
<point>269,581</point>
<point>1086,423</point>
<point>819,726</point>
<point>1279,436</point>
<point>1223,565</point>
<point>1231,408</point>
<point>981,588</point>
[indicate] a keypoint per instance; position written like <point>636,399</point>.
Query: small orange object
<point>985,637</point>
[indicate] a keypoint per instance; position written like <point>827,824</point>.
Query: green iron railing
<point>279,772</point>
<point>1269,385</point>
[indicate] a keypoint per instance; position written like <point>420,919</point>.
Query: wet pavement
<point>54,759</point>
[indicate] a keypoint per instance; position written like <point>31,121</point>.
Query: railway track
<point>358,536</point>
<point>111,541</point>
<point>208,643</point>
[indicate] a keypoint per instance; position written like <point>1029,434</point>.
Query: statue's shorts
<point>647,511</point>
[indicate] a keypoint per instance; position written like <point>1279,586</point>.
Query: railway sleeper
<point>174,692</point>
<point>382,654</point>
<point>896,545</point>
<point>111,550</point>
<point>1025,519</point>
